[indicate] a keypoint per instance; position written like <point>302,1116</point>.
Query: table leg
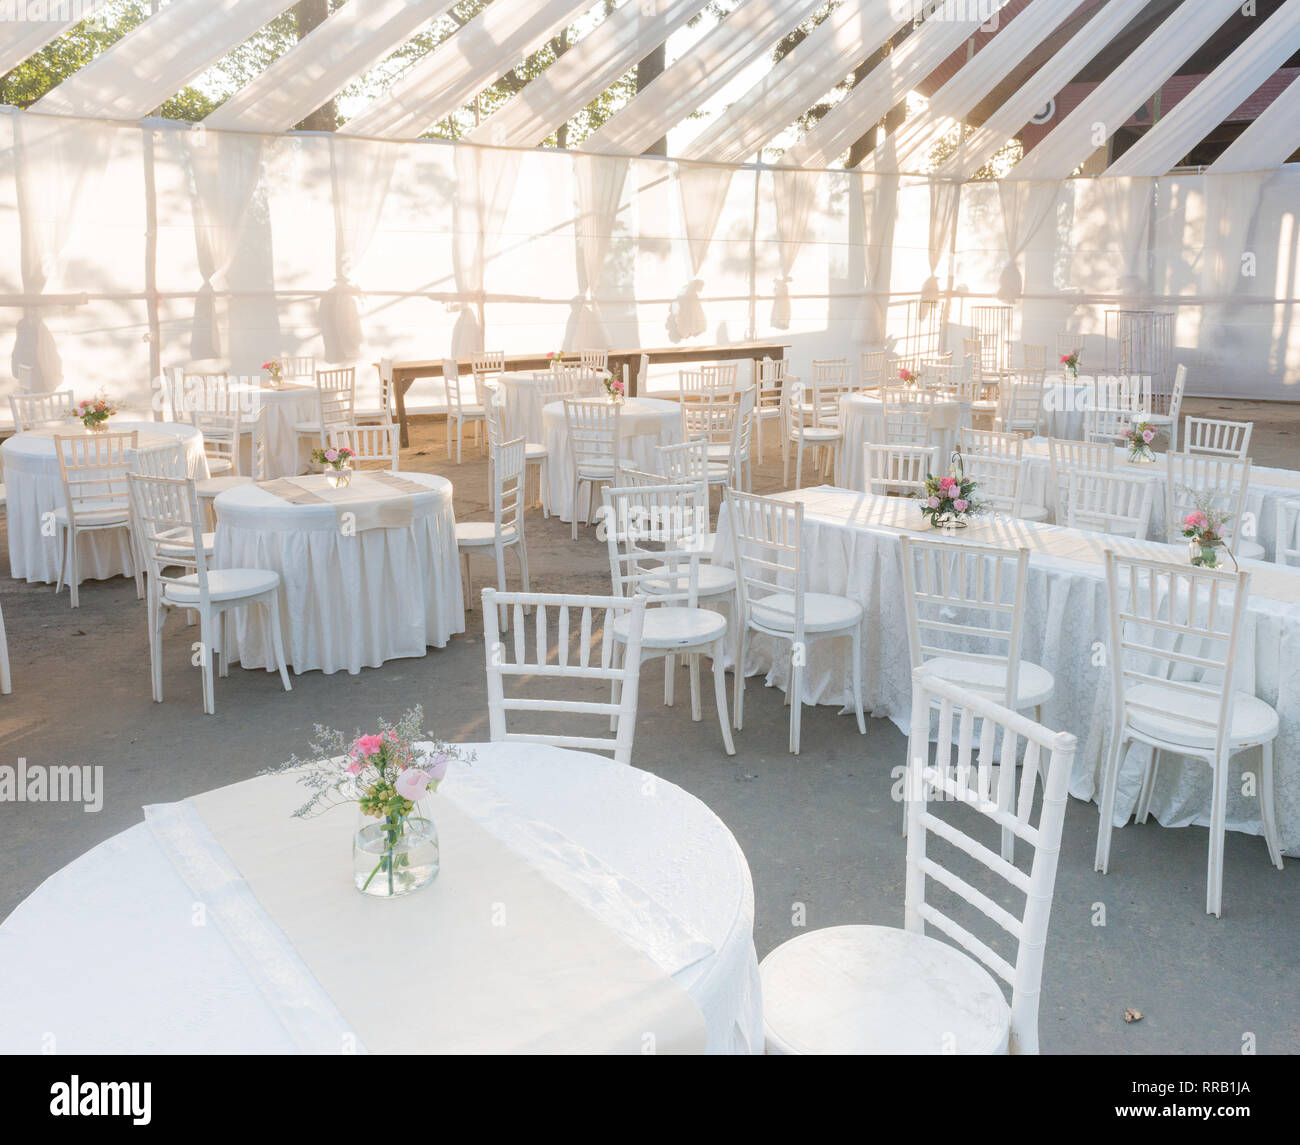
<point>402,383</point>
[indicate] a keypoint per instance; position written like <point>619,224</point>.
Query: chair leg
<point>738,702</point>
<point>720,694</point>
<point>1108,784</point>
<point>670,679</point>
<point>205,665</point>
<point>157,616</point>
<point>277,639</point>
<point>615,690</point>
<point>6,682</point>
<point>460,440</point>
<point>693,662</point>
<point>1218,812</point>
<point>74,568</point>
<point>856,653</point>
<point>1266,804</point>
<point>795,697</point>
<point>451,418</point>
<point>501,585</point>
<point>63,559</point>
<point>573,508</point>
<point>219,647</point>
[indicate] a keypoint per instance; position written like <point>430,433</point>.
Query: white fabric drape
<point>879,195</point>
<point>1025,207</point>
<point>485,184</point>
<point>360,174</point>
<point>598,187</point>
<point>944,198</point>
<point>703,194</point>
<point>1127,204</point>
<point>794,192</point>
<point>1269,141</point>
<point>24,38</point>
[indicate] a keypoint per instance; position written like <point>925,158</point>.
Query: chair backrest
<point>1034,357</point>
<point>31,410</point>
<point>1021,395</point>
<point>769,383</point>
<point>712,418</point>
<point>216,411</point>
<point>1109,501</point>
<point>699,385</point>
<point>907,414</point>
<point>487,363</point>
<point>1067,344</point>
<point>378,443</point>
<point>767,547</point>
<point>336,397</point>
<point>1067,455</point>
<point>897,467</point>
<point>652,533</point>
<point>829,372</point>
<point>871,368</point>
<point>1286,536</point>
<point>721,375</point>
<point>944,378</point>
<point>1191,477</point>
<point>687,461</point>
<point>93,468</point>
<point>1216,438</point>
<point>168,460</point>
<point>298,367</point>
<point>508,461</point>
<point>997,480</point>
<point>973,348</point>
<point>553,667</point>
<point>387,396</point>
<point>1175,626</point>
<point>584,381</point>
<point>964,771</point>
<point>1176,394</point>
<point>966,602</point>
<point>593,428</point>
<point>595,359</point>
<point>168,528</point>
<point>989,443</point>
<point>461,392</point>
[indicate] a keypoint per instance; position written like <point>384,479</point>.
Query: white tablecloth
<point>523,405</point>
<point>348,600</point>
<point>1065,622</point>
<point>862,420</point>
<point>644,423</point>
<point>159,981</point>
<point>1063,408</point>
<point>34,488</point>
<point>285,407</point>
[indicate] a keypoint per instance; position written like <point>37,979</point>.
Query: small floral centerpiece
<point>909,377</point>
<point>556,359</point>
<point>94,413</point>
<point>1071,363</point>
<point>614,389</point>
<point>1203,528</point>
<point>276,372</point>
<point>335,463</point>
<point>948,501</point>
<point>389,774</point>
<point>1141,436</point>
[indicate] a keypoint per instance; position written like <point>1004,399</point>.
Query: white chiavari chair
<point>1021,402</point>
<point>687,462</point>
<point>298,367</point>
<point>813,416</point>
<point>897,468</point>
<point>942,378</point>
<point>386,411</point>
<point>1067,344</point>
<point>829,372</point>
<point>1177,628</point>
<point>547,668</point>
<point>771,571</point>
<point>506,529</point>
<point>769,385</point>
<point>93,471</point>
<point>336,399</point>
<point>167,518</point>
<point>1001,486</point>
<point>878,989</point>
<point>721,375</point>
<point>907,415</point>
<point>1167,420</point>
<point>1066,456</point>
<point>583,380</point>
<point>537,458</point>
<point>649,532</point>
<point>1034,357</point>
<point>217,412</point>
<point>32,410</point>
<point>1286,549</point>
<point>989,443</point>
<point>597,360</point>
<point>1109,501</point>
<point>369,443</point>
<point>464,405</point>
<point>594,444</point>
<point>871,369</point>
<point>1216,438</point>
<point>698,385</point>
<point>168,461</point>
<point>252,425</point>
<point>487,365</point>
<point>1225,481</point>
<point>1110,408</point>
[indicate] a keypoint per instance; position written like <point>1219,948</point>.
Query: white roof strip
<point>352,40</point>
<point>1216,97</point>
<point>887,83</point>
<point>1104,109</point>
<point>24,38</point>
<point>1269,141</point>
<point>133,76</point>
<point>746,35</point>
<point>1038,90</point>
<point>830,51</point>
<point>462,65</point>
<point>624,38</point>
<point>981,75</point>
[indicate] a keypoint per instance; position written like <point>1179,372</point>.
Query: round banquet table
<point>285,407</point>
<point>862,420</point>
<point>644,424</point>
<point>35,487</point>
<point>159,983</point>
<point>1064,402</point>
<point>523,404</point>
<point>349,599</point>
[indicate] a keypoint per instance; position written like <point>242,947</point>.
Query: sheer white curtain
<point>703,193</point>
<point>879,209</point>
<point>1026,205</point>
<point>944,199</point>
<point>598,188</point>
<point>1127,204</point>
<point>485,184</point>
<point>794,192</point>
<point>360,174</point>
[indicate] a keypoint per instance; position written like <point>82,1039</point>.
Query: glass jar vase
<point>394,857</point>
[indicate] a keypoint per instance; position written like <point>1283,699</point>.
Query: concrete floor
<point>820,829</point>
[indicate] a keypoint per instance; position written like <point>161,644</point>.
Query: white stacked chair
<point>1109,501</point>
<point>1168,420</point>
<point>1021,402</point>
<point>814,424</point>
<point>93,471</point>
<point>369,443</point>
<point>649,530</point>
<point>594,444</point>
<point>770,379</point>
<point>1000,486</point>
<point>898,468</point>
<point>771,571</point>
<point>1286,549</point>
<point>32,410</point>
<point>462,408</point>
<point>1225,480</point>
<point>1214,437</point>
<point>336,397</point>
<point>537,458</point>
<point>877,989</point>
<point>166,512</point>
<point>1177,630</point>
<point>1067,455</point>
<point>506,529</point>
<point>578,616</point>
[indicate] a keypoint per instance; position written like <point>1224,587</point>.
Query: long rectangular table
<point>405,374</point>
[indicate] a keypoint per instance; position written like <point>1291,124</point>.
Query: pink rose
<point>331,455</point>
<point>412,783</point>
<point>960,505</point>
<point>947,491</point>
<point>1148,435</point>
<point>933,502</point>
<point>944,482</point>
<point>1196,520</point>
<point>365,746</point>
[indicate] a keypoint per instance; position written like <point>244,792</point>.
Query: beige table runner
<point>144,439</point>
<point>903,515</point>
<point>491,957</point>
<point>372,500</point>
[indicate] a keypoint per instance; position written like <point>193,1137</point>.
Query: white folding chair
<point>336,393</point>
<point>464,406</point>
<point>877,989</point>
<point>649,530</point>
<point>1110,501</point>
<point>594,444</point>
<point>769,385</point>
<point>369,443</point>
<point>1175,630</point>
<point>1216,438</point>
<point>897,468</point>
<point>1066,456</point>
<point>166,513</point>
<point>1286,544</point>
<point>32,410</point>
<point>1224,481</point>
<point>767,547</point>
<point>1000,486</point>
<point>506,529</point>
<point>93,471</point>
<point>548,668</point>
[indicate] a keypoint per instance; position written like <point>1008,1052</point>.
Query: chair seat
<point>535,451</point>
<point>183,546</point>
<point>670,627</point>
<point>720,451</point>
<point>878,990</point>
<point>713,580</point>
<point>1158,418</point>
<point>702,544</point>
<point>1253,721</point>
<point>595,472</point>
<point>467,412</point>
<point>219,465</point>
<point>113,514</point>
<point>818,432</point>
<point>1245,550</point>
<point>478,534</point>
<point>984,406</point>
<point>822,612</point>
<point>1032,513</point>
<point>312,427</point>
<point>223,584</point>
<point>209,487</point>
<point>1034,684</point>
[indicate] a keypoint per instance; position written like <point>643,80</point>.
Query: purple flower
<point>331,455</point>
<point>960,505</point>
<point>933,502</point>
